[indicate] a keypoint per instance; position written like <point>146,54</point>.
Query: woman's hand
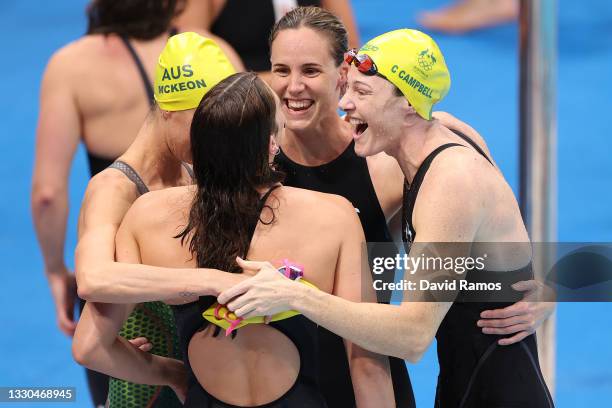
<point>522,318</point>
<point>265,294</point>
<point>63,290</point>
<point>141,343</point>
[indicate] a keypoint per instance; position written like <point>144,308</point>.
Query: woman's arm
<point>97,346</point>
<point>101,279</point>
<point>344,11</point>
<point>404,331</point>
<point>57,137</point>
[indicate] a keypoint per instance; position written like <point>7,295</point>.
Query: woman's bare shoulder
<point>161,207</point>
<point>329,206</point>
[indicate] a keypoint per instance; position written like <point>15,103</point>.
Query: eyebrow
<point>312,64</point>
<point>307,65</point>
<point>361,83</point>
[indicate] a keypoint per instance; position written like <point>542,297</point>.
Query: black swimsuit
<point>348,176</point>
<point>475,371</point>
<point>304,393</point>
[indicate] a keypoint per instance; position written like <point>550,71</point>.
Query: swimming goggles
<point>364,63</point>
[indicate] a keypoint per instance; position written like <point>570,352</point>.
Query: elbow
<point>89,285</point>
<point>414,349</point>
<point>45,197</point>
<point>414,355</point>
<point>84,285</point>
<point>87,289</point>
<point>82,353</point>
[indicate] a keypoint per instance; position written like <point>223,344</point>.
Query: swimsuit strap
<point>189,170</point>
<point>141,70</point>
<point>412,190</point>
<point>131,174</point>
<point>473,144</point>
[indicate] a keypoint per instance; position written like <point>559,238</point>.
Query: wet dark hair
<point>230,139</point>
<point>139,19</point>
<point>319,20</point>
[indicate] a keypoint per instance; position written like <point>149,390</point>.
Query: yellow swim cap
<point>188,67</point>
<point>412,61</point>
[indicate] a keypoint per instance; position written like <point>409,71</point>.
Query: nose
<point>296,85</point>
<point>346,103</point>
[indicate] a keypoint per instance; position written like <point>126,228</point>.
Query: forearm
<point>371,378</point>
<point>50,213</point>
<point>122,360</point>
<point>116,282</point>
<point>391,330</point>
<point>343,10</point>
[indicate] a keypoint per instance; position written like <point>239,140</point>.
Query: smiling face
<point>376,112</point>
<point>305,77</point>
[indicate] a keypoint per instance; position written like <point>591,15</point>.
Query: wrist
<point>56,270</point>
<point>301,294</point>
<point>202,282</point>
<point>223,281</point>
<point>175,373</point>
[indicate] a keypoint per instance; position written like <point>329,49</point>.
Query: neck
<point>416,143</point>
<point>319,145</point>
<point>151,157</point>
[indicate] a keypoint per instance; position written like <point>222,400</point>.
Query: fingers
<point>146,347</point>
<point>66,324</point>
<point>267,319</point>
<point>524,286</point>
<point>516,309</point>
<point>238,302</point>
<point>514,339</point>
<point>234,291</point>
<point>247,311</point>
<point>507,330</point>
<point>509,321</point>
<point>68,328</point>
<point>251,265</point>
<point>139,341</point>
<point>142,343</point>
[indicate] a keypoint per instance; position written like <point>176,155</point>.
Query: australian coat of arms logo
<point>426,60</point>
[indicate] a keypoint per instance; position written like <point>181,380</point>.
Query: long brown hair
<point>230,139</point>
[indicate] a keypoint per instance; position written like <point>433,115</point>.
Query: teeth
<point>299,104</point>
<point>356,122</point>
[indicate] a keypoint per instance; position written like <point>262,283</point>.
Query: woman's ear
<point>343,77</point>
<point>165,114</point>
<point>274,148</point>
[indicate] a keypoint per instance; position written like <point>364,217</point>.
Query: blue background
<point>484,93</point>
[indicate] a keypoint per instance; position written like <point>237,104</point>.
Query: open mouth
<point>360,125</point>
<point>298,105</point>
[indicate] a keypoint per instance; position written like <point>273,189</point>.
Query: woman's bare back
<point>308,228</point>
<point>107,88</point>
